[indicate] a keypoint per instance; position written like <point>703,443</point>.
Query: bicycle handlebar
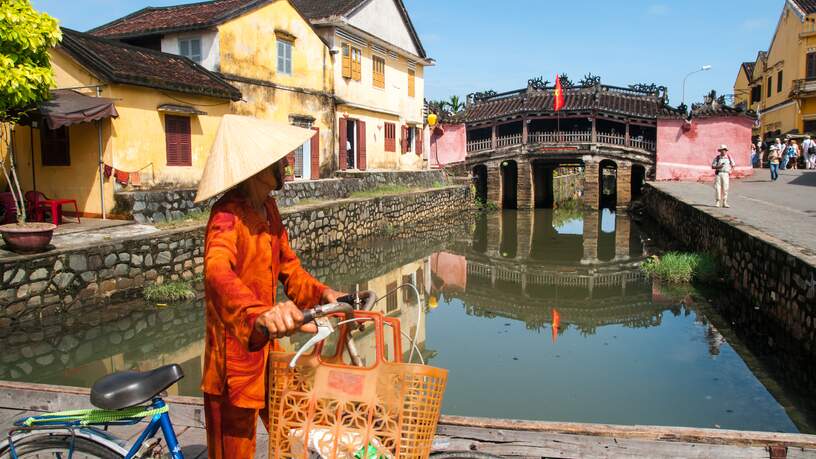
<point>325,310</point>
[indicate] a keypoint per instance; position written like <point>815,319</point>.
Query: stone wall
<point>768,272</point>
<point>157,206</point>
<point>33,286</point>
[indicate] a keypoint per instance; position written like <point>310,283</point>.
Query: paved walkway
<point>785,209</point>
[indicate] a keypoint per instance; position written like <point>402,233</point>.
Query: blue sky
<point>499,45</point>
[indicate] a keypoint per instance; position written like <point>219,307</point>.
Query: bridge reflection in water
<point>526,264</point>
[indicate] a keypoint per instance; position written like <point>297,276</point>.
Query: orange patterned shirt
<point>244,258</point>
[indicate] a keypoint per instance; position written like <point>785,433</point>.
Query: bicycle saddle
<point>130,388</point>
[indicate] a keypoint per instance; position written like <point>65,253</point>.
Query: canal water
<point>539,315</point>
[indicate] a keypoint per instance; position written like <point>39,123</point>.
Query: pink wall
<point>687,154</point>
<point>448,144</point>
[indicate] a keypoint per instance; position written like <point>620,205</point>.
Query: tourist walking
<point>722,166</point>
<point>754,156</point>
<point>785,153</point>
<point>246,256</point>
<point>794,152</point>
<point>808,151</point>
<point>773,161</point>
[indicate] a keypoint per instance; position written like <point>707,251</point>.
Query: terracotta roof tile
<point>607,99</point>
<point>808,6</point>
<point>153,20</point>
<point>319,9</point>
<point>749,69</point>
<point>116,62</point>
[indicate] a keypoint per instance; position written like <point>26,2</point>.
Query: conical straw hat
<point>243,147</point>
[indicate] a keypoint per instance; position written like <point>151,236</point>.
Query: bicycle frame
<point>159,421</point>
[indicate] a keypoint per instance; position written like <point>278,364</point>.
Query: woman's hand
<point>284,319</point>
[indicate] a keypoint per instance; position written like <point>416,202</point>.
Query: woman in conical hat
<point>246,254</point>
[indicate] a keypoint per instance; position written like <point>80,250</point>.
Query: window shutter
<point>346,61</point>
<point>356,64</point>
<point>419,141</point>
<point>361,145</point>
<point>343,137</point>
<point>315,150</point>
<point>404,139</point>
<point>811,66</point>
<point>390,137</point>
<point>179,143</point>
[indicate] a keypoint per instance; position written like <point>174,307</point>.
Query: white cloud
<point>658,9</point>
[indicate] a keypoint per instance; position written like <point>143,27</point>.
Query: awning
<point>67,107</point>
<point>180,109</point>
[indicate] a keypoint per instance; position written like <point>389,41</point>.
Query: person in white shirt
<point>809,151</point>
<point>722,166</point>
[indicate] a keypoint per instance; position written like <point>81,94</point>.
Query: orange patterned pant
<point>230,429</point>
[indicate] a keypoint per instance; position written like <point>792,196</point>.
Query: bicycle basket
<point>325,408</point>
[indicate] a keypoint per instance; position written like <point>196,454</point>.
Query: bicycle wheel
<point>51,446</point>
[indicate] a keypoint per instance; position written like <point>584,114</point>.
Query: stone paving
<point>785,209</point>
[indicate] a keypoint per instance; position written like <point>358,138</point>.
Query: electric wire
<point>419,314</point>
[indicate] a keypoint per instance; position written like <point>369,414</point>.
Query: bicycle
<point>127,398</point>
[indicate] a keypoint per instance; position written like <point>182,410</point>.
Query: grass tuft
<point>195,216</point>
<point>381,190</point>
<point>169,292</point>
<point>679,267</point>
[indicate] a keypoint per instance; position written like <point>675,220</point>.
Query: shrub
<point>678,267</point>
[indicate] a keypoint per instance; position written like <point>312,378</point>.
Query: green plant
<point>169,292</point>
<point>679,267</point>
<point>195,216</point>
<point>26,35</point>
<point>381,190</point>
<point>484,206</point>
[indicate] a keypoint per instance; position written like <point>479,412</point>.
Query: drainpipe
<point>101,162</point>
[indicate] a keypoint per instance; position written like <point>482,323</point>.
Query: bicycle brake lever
<point>324,329</point>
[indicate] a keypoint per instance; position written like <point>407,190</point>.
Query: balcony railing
<point>563,137</point>
<point>803,87</point>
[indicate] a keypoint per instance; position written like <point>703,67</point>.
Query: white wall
<point>210,53</point>
<point>383,19</point>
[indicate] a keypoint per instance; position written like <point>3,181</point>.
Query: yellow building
<point>378,73</point>
<point>265,48</point>
<point>782,84</point>
<point>168,109</point>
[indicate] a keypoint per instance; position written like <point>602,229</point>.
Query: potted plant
<point>26,35</point>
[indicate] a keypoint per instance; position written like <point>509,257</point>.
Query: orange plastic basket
<point>389,410</point>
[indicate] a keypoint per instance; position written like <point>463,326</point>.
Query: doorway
<point>351,139</point>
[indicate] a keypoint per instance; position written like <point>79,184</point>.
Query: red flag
<point>559,94</point>
<point>556,323</point>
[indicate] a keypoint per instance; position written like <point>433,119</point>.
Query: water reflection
<point>549,307</point>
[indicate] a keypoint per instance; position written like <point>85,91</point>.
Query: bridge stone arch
<point>509,184</point>
<point>480,179</point>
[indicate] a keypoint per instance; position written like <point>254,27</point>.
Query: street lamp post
<point>701,69</point>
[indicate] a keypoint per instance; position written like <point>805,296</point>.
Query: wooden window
<point>769,91</point>
<point>346,60</point>
<point>191,48</point>
<point>56,147</point>
<point>756,94</point>
<point>356,64</point>
<point>810,66</point>
<point>378,64</point>
<point>390,137</point>
<point>177,135</point>
<point>284,57</point>
<point>779,82</point>
<point>391,303</point>
<point>411,83</point>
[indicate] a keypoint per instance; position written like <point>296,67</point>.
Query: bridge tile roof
<point>808,6</point>
<point>608,99</point>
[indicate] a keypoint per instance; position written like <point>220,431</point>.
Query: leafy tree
<point>25,74</point>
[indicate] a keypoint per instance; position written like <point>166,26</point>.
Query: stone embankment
<point>158,206</point>
<point>33,286</point>
<point>774,276</point>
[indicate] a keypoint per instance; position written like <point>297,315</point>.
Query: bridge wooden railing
<point>563,137</point>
